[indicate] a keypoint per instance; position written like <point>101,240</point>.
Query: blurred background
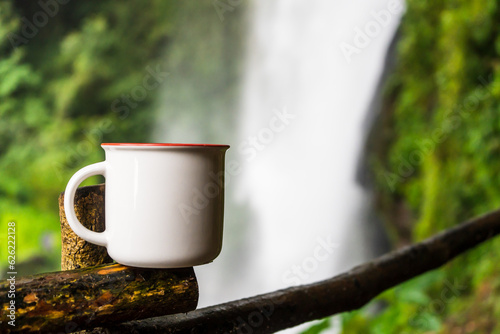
<point>356,127</point>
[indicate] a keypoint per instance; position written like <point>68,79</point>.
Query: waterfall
<point>294,212</point>
<point>300,181</point>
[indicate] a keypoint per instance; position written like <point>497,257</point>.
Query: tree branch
<point>282,309</point>
<point>72,300</point>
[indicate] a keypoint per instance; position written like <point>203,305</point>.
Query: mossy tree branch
<point>282,309</point>
<point>72,300</point>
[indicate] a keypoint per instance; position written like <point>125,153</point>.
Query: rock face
<point>392,217</point>
<point>89,207</point>
<point>433,153</point>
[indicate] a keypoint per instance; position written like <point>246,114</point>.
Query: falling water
<point>294,212</point>
<point>299,178</point>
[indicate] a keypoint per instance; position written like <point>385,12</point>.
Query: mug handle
<point>98,238</point>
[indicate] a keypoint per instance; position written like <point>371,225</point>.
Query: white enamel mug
<point>164,203</point>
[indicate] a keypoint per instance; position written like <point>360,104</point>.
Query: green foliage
<point>93,73</point>
<point>319,327</point>
<point>443,100</point>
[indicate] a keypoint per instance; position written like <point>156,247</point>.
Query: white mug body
<point>164,204</point>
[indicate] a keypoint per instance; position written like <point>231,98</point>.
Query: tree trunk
<point>89,208</point>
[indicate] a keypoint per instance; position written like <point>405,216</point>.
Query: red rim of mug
<point>162,144</point>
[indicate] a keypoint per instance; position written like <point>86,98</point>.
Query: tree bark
<point>77,299</point>
<point>88,295</point>
<point>89,208</point>
<point>282,309</point>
